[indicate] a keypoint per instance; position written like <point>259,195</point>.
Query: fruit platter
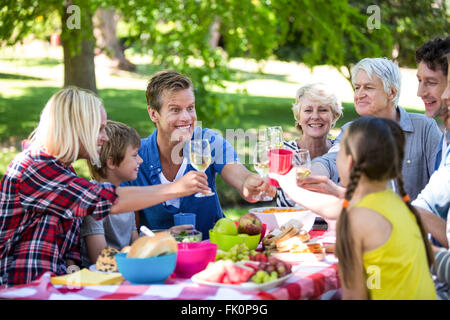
<point>262,273</point>
<point>237,263</point>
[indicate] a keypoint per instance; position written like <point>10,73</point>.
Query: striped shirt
<point>442,259</point>
<point>41,203</point>
<point>282,199</point>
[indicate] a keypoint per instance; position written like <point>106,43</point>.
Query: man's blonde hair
<point>69,120</point>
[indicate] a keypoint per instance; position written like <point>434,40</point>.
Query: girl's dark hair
<point>400,138</point>
<point>377,148</point>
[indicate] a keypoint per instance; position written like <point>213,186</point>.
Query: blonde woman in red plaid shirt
<point>43,201</point>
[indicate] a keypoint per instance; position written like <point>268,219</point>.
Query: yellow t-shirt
<point>398,270</point>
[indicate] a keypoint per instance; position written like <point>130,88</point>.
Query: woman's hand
<point>321,184</point>
<point>326,205</point>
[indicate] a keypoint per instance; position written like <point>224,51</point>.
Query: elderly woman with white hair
<point>377,83</point>
<point>316,110</point>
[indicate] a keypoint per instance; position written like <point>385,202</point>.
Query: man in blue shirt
<point>435,197</point>
<point>434,206</point>
<point>171,107</point>
<point>432,76</point>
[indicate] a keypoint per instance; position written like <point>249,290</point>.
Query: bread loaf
<point>144,247</point>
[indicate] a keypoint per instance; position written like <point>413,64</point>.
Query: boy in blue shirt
<point>120,162</point>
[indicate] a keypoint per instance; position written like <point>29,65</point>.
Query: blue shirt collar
<point>150,154</point>
<point>405,121</point>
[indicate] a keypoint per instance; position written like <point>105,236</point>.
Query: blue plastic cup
<point>184,218</point>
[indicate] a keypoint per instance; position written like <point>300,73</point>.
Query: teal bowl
<point>151,270</point>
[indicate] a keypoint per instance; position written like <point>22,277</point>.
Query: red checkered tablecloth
<point>310,280</point>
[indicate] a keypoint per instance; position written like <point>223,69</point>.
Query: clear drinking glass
<point>301,161</point>
<point>275,137</point>
<point>261,164</point>
<point>200,158</point>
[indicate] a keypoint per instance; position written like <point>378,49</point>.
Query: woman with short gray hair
<point>316,110</point>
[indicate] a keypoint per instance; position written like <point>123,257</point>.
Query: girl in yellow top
<point>382,246</point>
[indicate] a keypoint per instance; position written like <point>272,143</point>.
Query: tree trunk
<point>347,75</point>
<point>105,24</point>
<point>78,46</point>
<point>214,34</point>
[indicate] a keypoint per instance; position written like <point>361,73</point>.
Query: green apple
<point>226,226</point>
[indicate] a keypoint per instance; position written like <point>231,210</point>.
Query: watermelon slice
<point>215,272</point>
<point>225,271</point>
<point>238,274</point>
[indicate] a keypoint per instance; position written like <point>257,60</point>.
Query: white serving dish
<point>246,285</point>
<point>277,219</point>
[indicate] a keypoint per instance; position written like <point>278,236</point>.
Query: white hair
<point>385,69</point>
<point>318,92</point>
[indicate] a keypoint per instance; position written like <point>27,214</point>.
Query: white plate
<point>295,258</point>
<point>93,267</point>
<point>246,285</point>
<point>277,219</point>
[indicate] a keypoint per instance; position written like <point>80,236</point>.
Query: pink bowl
<point>193,257</point>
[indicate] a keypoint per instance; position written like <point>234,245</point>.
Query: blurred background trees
<point>197,37</point>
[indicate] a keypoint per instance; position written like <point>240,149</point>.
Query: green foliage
<point>19,17</point>
<point>404,25</point>
<point>177,34</point>
<point>413,23</point>
<point>329,32</point>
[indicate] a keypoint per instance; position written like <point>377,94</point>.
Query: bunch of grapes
<point>262,276</point>
<point>270,270</point>
<point>236,253</point>
<point>275,265</point>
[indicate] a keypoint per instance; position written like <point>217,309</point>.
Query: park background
<point>246,58</point>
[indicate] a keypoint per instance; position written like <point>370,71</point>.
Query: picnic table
<point>310,280</point>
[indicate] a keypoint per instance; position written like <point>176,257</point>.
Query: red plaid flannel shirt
<point>41,206</point>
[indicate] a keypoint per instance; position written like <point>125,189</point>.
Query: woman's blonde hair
<point>71,119</point>
<point>320,93</point>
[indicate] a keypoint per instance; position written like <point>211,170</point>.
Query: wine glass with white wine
<point>301,161</point>
<point>261,164</point>
<point>200,158</point>
<point>275,137</point>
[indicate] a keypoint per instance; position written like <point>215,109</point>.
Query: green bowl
<point>226,242</point>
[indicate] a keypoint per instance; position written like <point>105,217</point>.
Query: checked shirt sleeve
<point>51,189</point>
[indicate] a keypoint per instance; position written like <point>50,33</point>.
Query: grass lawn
<point>28,82</point>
